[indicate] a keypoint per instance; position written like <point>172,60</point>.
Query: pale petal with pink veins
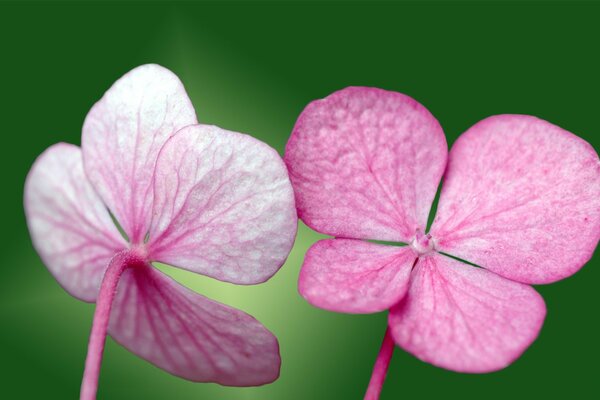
<point>521,197</point>
<point>70,227</point>
<point>224,206</point>
<point>122,136</point>
<point>354,276</point>
<point>190,335</point>
<point>365,164</point>
<point>465,318</point>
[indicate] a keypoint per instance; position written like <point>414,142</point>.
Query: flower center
<point>422,243</point>
<point>134,257</point>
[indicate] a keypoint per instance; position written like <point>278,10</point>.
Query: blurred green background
<point>252,67</point>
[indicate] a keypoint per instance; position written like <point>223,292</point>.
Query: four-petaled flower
<point>520,198</point>
<point>198,197</point>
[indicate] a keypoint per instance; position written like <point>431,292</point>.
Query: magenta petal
<point>365,164</point>
<point>190,335</point>
<point>464,318</point>
<point>122,136</point>
<point>521,197</point>
<point>70,227</point>
<point>224,206</point>
<point>353,276</point>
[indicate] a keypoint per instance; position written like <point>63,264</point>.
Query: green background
<point>252,67</point>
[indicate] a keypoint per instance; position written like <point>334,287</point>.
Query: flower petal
<point>464,318</point>
<point>521,197</point>
<point>365,164</point>
<point>190,335</point>
<point>122,136</point>
<point>353,276</point>
<point>224,206</point>
<point>70,227</point>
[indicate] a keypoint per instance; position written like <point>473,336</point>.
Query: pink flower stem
<point>108,289</point>
<point>381,367</point>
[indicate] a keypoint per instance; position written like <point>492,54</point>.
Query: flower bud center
<point>422,243</point>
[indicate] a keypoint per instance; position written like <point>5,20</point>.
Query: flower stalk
<point>381,367</point>
<point>108,290</point>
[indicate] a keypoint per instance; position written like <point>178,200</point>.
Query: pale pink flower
<point>520,198</point>
<point>198,197</point>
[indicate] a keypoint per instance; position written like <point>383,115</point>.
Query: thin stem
<point>108,289</point>
<point>381,367</point>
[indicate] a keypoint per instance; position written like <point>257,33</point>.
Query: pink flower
<point>198,197</point>
<point>520,198</point>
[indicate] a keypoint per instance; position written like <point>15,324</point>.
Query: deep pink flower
<point>520,198</point>
<point>212,201</point>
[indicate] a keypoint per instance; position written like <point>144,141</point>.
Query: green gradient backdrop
<point>252,68</point>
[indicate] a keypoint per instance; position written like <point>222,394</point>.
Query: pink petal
<point>190,335</point>
<point>224,206</point>
<point>521,197</point>
<point>70,227</point>
<point>464,318</point>
<point>353,276</point>
<point>122,136</point>
<point>365,164</point>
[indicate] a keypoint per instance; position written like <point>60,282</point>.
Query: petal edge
<point>465,319</point>
<point>189,335</point>
<point>122,135</point>
<point>521,197</point>
<point>353,276</point>
<point>69,225</point>
<point>224,206</point>
<point>373,154</point>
